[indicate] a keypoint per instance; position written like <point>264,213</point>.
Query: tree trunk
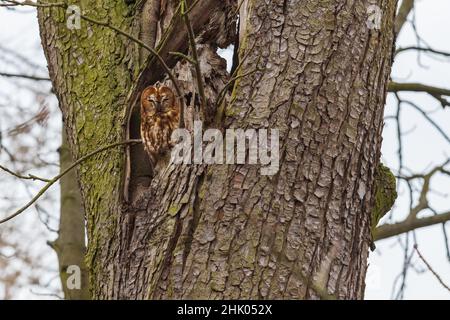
<point>70,245</point>
<point>311,69</point>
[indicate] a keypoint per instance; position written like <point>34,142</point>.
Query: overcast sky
<point>423,146</point>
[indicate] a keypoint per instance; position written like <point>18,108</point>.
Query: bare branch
<point>28,177</point>
<point>431,121</point>
<point>417,87</point>
<point>183,56</point>
<point>422,49</point>
<point>221,94</point>
<point>191,37</point>
<point>399,134</point>
<point>46,294</point>
<point>391,230</point>
<point>412,222</point>
<point>107,25</point>
<point>142,44</point>
<point>24,76</point>
<point>435,92</point>
<point>32,4</point>
<point>56,178</point>
<point>402,15</point>
<point>234,77</point>
<point>430,268</point>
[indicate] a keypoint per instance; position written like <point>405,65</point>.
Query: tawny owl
<point>160,114</point>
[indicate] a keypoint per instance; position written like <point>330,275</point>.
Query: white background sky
<point>423,146</point>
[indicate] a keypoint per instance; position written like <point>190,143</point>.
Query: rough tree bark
<point>314,70</point>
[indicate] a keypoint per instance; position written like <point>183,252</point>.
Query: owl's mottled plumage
<point>160,114</point>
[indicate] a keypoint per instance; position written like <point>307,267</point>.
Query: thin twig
<point>183,56</point>
<point>430,268</point>
<point>234,77</point>
<point>399,134</point>
<point>107,25</point>
<point>221,95</point>
<point>59,176</point>
<point>435,92</point>
<point>33,4</point>
<point>431,121</point>
<point>427,50</point>
<point>49,294</point>
<point>191,37</point>
<point>23,76</point>
<point>28,177</point>
<point>150,49</point>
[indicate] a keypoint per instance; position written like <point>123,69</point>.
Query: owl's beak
<point>158,106</point>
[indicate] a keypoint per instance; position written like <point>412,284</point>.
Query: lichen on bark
<point>385,196</point>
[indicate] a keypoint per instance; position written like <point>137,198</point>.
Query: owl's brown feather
<point>160,114</point>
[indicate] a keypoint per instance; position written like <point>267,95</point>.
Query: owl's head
<point>157,100</point>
